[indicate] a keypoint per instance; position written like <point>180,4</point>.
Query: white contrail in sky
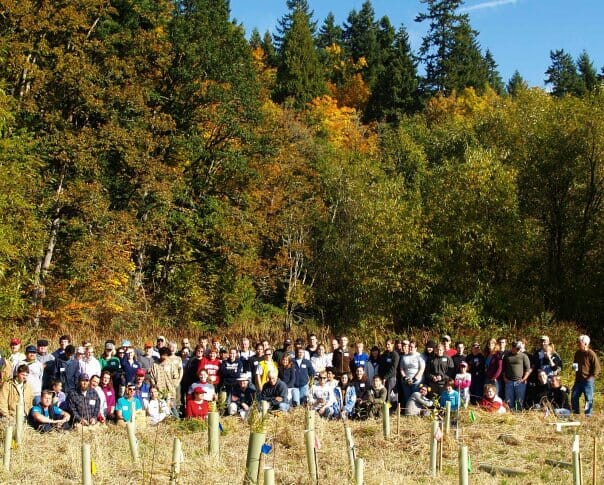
<point>491,4</point>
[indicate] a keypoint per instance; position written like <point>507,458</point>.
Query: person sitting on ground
<point>558,397</point>
<point>419,403</point>
<point>110,398</point>
<point>95,382</point>
<point>157,408</point>
<point>547,358</point>
<point>323,398</point>
<point>84,403</point>
<point>378,395</point>
<point>45,416</point>
<point>197,406</point>
<point>491,402</point>
<point>537,392</point>
<point>331,380</point>
<point>126,406</point>
<point>243,397</point>
<point>345,397</point>
<point>274,392</point>
<point>450,395</point>
<point>15,391</point>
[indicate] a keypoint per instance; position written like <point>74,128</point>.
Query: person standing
<point>586,366</point>
<point>516,371</point>
<point>388,369</point>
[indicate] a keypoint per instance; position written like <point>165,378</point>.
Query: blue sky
<point>519,33</point>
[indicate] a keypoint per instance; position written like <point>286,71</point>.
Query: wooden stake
<point>594,464</point>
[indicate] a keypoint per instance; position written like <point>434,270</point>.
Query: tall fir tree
<point>516,84</point>
<point>330,33</point>
<point>493,76</point>
<point>562,74</point>
<point>437,44</point>
<point>587,72</point>
<point>396,90</point>
<point>364,38</point>
<point>464,65</point>
<point>299,74</point>
<point>284,24</point>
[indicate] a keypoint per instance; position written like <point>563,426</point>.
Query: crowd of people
<point>72,387</point>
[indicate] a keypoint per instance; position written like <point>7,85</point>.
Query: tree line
<point>158,167</point>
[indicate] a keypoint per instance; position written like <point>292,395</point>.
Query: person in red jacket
<point>211,364</point>
<point>197,408</point>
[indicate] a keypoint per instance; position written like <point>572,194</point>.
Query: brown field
<point>403,458</point>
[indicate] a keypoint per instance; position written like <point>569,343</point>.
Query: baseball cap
<point>447,338</point>
<point>109,346</point>
<point>15,341</point>
<point>198,389</point>
<point>30,348</point>
<point>245,376</point>
<point>126,343</point>
<point>81,350</point>
<point>161,337</point>
<point>42,343</point>
<point>148,344</point>
<point>140,372</point>
<point>84,377</point>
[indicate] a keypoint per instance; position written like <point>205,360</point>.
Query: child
<point>491,402</point>
<point>450,395</point>
<point>59,396</point>
<point>463,380</point>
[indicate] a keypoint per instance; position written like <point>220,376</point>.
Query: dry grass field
<point>401,459</point>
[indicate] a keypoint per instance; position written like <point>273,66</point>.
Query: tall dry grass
<point>402,459</point>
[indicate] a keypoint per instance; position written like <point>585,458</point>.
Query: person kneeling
<point>45,416</point>
<point>274,392</point>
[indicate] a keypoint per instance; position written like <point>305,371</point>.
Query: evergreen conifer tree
<point>299,74</point>
<point>562,74</point>
<point>516,84</point>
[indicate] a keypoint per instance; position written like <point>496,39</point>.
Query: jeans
<point>587,389</point>
<point>407,390</point>
<point>514,394</point>
<point>299,395</point>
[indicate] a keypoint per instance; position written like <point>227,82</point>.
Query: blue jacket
<point>303,372</point>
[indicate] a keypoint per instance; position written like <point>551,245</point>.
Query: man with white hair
<point>586,366</point>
